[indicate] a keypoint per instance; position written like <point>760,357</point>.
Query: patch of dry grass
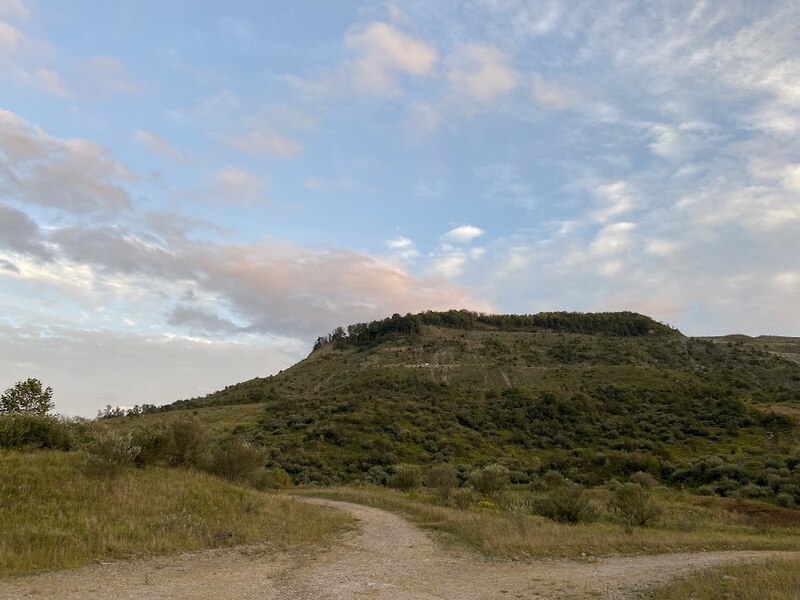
<point>511,534</point>
<point>55,515</point>
<point>773,580</point>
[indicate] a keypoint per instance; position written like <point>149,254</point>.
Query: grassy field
<point>689,523</point>
<point>773,580</point>
<point>53,515</point>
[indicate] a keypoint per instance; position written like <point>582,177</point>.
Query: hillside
<point>594,396</point>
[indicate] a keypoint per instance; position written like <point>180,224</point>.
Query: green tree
<point>27,397</point>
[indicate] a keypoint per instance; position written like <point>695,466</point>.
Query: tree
<point>27,397</point>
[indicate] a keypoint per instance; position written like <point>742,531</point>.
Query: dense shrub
<point>239,461</point>
<point>189,445</point>
<point>464,498</point>
<point>490,479</point>
<point>644,479</point>
<point>634,504</point>
<point>24,430</point>
<point>442,478</point>
<point>406,477</point>
<point>110,452</point>
<point>566,504</point>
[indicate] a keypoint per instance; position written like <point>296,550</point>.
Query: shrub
<point>644,479</point>
<point>110,452</point>
<point>464,498</point>
<point>189,443</point>
<point>24,430</point>
<point>550,480</point>
<point>238,460</point>
<point>634,504</point>
<point>406,477</point>
<point>490,479</point>
<point>566,504</point>
<point>156,442</point>
<point>442,478</point>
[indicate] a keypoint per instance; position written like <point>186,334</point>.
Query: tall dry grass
<point>55,514</point>
<point>773,580</point>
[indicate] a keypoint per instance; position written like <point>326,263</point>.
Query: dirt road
<point>386,558</point>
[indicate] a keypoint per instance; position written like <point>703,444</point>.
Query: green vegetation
<point>773,580</point>
<point>510,525</point>
<point>28,397</point>
<point>55,514</point>
<point>593,397</point>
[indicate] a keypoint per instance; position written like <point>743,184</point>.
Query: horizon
<point>189,197</point>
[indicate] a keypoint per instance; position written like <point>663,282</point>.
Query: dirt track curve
<point>386,558</point>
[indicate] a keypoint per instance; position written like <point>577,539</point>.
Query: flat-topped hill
<point>596,396</point>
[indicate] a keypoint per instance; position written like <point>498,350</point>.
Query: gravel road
<point>386,557</point>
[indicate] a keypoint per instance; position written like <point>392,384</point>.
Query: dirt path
<point>386,558</point>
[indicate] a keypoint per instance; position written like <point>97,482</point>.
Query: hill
<point>594,396</point>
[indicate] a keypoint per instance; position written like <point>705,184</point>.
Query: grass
<point>53,515</point>
<point>773,580</point>
<point>684,526</point>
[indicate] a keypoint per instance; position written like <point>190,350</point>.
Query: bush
<point>464,498</point>
<point>238,461</point>
<point>442,478</point>
<point>566,504</point>
<point>634,504</point>
<point>110,452</point>
<point>550,480</point>
<point>189,443</point>
<point>24,430</point>
<point>406,477</point>
<point>490,479</point>
<point>644,479</point>
<point>156,442</point>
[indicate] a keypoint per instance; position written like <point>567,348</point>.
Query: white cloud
<point>385,52</point>
<point>263,140</point>
<point>612,239</point>
<point>402,248</point>
<point>552,95</point>
<point>157,144</point>
<point>72,175</point>
<point>238,184</point>
<point>451,264</point>
<point>13,9</point>
<point>50,81</point>
<point>11,38</point>
<point>614,199</point>
<point>463,234</point>
<point>109,75</point>
<point>481,72</point>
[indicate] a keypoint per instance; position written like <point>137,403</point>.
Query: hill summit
<point>595,396</point>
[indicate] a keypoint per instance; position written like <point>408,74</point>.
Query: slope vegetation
<point>594,396</point>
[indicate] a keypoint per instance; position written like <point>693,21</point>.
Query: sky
<point>192,191</point>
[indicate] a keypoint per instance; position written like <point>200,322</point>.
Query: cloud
<point>263,140</point>
<point>20,234</point>
<point>481,73</point>
<point>615,199</point>
<point>402,248</point>
<point>71,175</point>
<point>109,75</point>
<point>201,321</point>
<point>385,53</point>
<point>155,143</point>
<point>50,81</point>
<point>238,184</point>
<point>552,95</point>
<point>463,234</point>
<point>612,239</point>
<point>11,38</point>
<point>13,9</point>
